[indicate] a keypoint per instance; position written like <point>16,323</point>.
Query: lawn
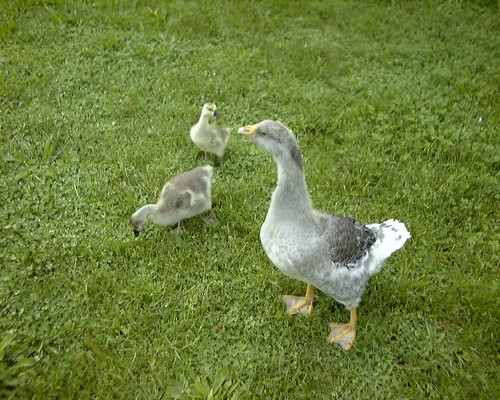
<point>396,107</point>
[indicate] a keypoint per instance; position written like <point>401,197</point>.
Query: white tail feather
<point>391,236</point>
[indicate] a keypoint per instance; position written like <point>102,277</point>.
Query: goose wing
<point>348,240</point>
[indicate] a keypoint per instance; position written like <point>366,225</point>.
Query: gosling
<point>210,138</point>
<point>184,196</point>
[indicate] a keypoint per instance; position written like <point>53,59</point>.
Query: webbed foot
<point>298,304</point>
<point>344,334</point>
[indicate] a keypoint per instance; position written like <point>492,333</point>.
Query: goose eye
<point>263,133</point>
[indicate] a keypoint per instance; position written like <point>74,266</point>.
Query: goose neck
<point>291,189</point>
<point>203,119</point>
<point>147,212</point>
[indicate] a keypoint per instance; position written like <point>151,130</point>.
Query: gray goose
<point>333,253</point>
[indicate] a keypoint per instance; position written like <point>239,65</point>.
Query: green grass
<point>396,108</point>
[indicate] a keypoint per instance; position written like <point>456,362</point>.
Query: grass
<point>396,108</point>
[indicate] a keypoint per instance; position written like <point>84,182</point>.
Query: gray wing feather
<point>348,240</point>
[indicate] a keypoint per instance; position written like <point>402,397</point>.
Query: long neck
<point>203,119</point>
<point>291,194</point>
<point>146,212</point>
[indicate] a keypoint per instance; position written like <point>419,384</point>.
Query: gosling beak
<point>248,131</point>
<point>136,232</point>
<point>216,114</point>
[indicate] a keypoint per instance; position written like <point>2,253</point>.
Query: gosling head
<point>138,220</point>
<point>137,227</point>
<point>209,110</point>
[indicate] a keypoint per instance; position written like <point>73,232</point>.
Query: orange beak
<point>249,131</point>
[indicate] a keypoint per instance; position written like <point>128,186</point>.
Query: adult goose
<point>335,254</point>
<point>210,138</point>
<point>183,197</point>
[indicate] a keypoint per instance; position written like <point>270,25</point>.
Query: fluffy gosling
<point>184,196</point>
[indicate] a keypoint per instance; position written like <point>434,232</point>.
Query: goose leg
<point>297,304</point>
<point>212,218</point>
<point>344,334</point>
<point>179,230</point>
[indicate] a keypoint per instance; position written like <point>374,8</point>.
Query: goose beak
<point>248,131</point>
<point>216,114</point>
<point>136,232</point>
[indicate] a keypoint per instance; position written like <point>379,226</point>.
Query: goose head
<point>276,139</point>
<point>137,224</point>
<point>210,110</point>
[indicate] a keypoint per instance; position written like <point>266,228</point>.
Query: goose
<point>333,253</point>
<point>184,196</point>
<point>210,138</point>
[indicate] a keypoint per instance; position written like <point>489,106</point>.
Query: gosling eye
<point>263,133</point>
